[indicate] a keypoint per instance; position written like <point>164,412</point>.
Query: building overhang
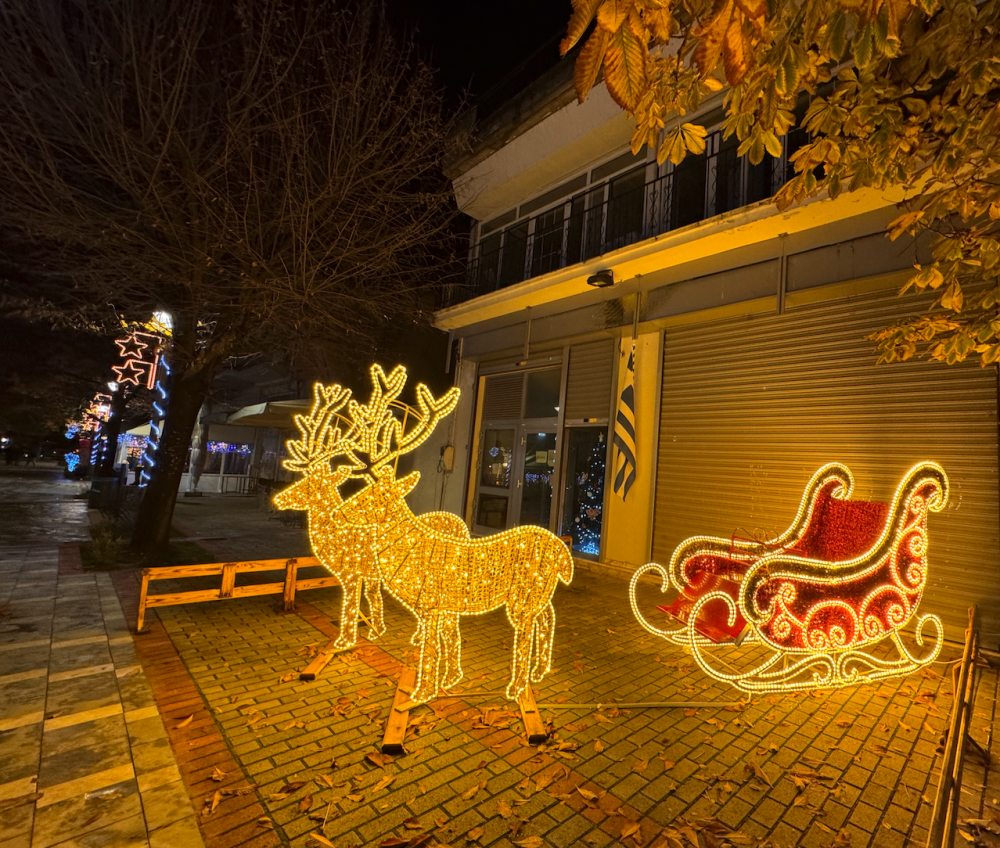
<point>742,228</point>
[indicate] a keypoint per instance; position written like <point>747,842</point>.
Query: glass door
<point>495,484</point>
<point>535,477</point>
<point>583,493</point>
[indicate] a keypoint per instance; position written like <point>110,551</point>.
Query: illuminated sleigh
<point>806,608</point>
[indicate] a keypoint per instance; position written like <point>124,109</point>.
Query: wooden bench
<point>228,588</point>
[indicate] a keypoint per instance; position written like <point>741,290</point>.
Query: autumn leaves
<point>648,76</point>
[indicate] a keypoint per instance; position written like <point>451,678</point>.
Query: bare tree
<point>267,172</point>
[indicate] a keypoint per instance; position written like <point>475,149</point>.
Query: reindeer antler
<point>322,438</point>
<point>383,436</point>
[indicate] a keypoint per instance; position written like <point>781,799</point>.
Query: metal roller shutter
<point>588,384</point>
<point>753,406</point>
<point>504,393</point>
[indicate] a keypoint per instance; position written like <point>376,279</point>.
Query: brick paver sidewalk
<point>269,760</point>
<point>853,767</point>
<point>84,758</point>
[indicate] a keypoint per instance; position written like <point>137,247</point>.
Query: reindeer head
<point>368,442</point>
<point>322,440</point>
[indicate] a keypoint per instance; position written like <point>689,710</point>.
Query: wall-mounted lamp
<point>602,279</point>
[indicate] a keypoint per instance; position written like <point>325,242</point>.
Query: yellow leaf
<point>583,14</point>
<point>710,35</point>
<point>640,766</point>
<point>218,774</point>
<point>306,804</point>
<point>184,722</point>
<point>735,52</point>
<point>530,842</point>
<point>588,63</point>
<point>612,14</point>
<point>625,69</point>
<point>475,833</point>
<point>694,137</point>
<point>598,746</point>
<point>660,23</point>
<point>321,840</point>
<point>952,298</point>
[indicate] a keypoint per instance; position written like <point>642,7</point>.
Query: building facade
<point>751,363</point>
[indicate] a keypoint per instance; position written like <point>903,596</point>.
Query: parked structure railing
<point>624,210</point>
<point>946,802</point>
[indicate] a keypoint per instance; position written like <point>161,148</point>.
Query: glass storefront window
<point>492,512</point>
<point>237,462</point>
<point>213,463</point>
<point>542,400</point>
<point>498,457</point>
<point>536,493</point>
<point>583,503</point>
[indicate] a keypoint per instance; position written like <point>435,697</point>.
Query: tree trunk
<point>190,387</point>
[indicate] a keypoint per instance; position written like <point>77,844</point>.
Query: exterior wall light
<point>602,279</point>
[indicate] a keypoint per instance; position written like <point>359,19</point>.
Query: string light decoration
<point>156,422</point>
<point>429,563</point>
<point>72,461</point>
<point>845,577</point>
<point>140,357</point>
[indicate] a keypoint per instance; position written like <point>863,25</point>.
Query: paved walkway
<point>268,760</point>
<point>84,756</point>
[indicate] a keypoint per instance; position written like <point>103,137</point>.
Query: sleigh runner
<point>807,608</point>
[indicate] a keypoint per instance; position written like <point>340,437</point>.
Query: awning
<point>276,413</point>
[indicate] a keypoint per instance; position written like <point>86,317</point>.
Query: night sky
<point>474,43</point>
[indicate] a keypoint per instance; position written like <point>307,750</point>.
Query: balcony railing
<point>623,211</point>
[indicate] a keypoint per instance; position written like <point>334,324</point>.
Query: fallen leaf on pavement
<point>530,842</point>
<point>184,722</point>
<point>289,788</point>
<point>475,833</point>
<point>759,772</point>
<point>265,823</point>
<point>286,677</point>
<point>640,766</point>
<point>384,782</point>
<point>470,793</point>
<point>218,774</point>
<point>306,804</point>
<point>503,809</point>
<point>319,839</point>
<point>412,823</point>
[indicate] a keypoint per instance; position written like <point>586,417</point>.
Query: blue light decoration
<point>230,447</point>
<point>71,431</point>
<point>72,461</point>
<point>156,422</point>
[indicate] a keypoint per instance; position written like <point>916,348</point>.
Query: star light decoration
<point>814,621</point>
<point>428,562</point>
<point>139,358</point>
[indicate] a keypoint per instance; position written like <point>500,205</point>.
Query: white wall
<point>439,490</point>
<point>628,528</point>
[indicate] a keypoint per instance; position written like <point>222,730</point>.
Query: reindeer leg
<point>373,593</point>
<point>430,657</point>
<point>545,635</point>
<point>451,648</point>
<point>349,609</point>
<point>519,662</point>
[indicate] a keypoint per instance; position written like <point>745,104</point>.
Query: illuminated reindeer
<point>427,562</point>
<point>346,550</point>
<point>440,577</point>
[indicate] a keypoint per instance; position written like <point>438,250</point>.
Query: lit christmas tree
<point>590,489</point>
